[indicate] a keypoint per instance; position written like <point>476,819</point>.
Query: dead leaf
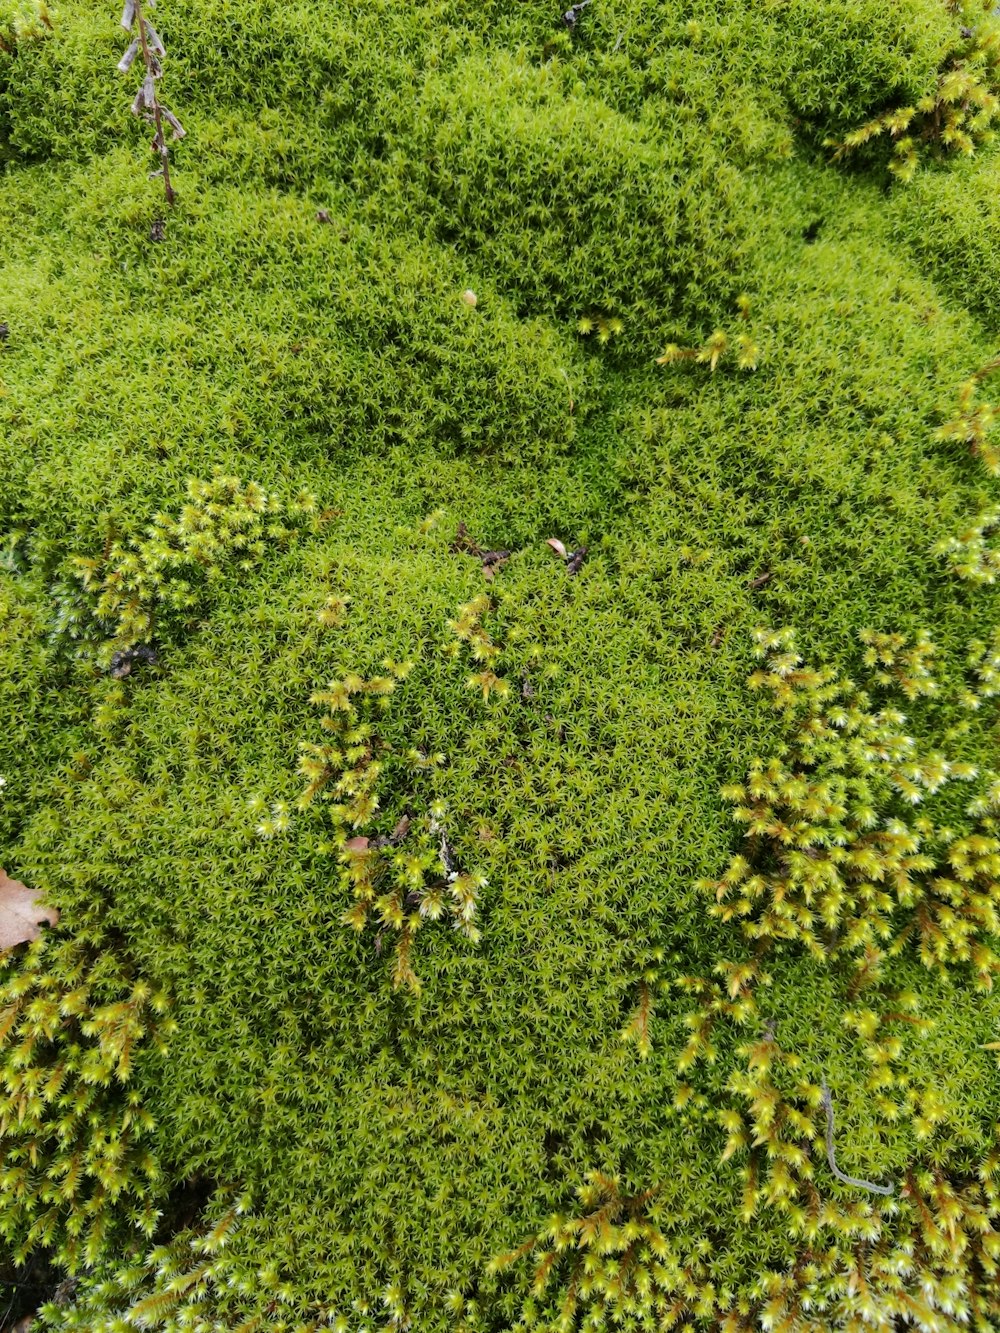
<point>356,845</point>
<point>761,579</point>
<point>322,215</point>
<point>718,636</point>
<point>20,913</point>
<point>397,835</point>
<point>557,546</point>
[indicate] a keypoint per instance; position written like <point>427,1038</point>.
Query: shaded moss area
<point>349,172</point>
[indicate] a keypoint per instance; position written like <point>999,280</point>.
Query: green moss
<point>844,61</point>
<point>948,219</point>
<point>349,176</point>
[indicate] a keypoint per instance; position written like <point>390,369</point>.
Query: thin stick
<point>159,140</point>
<point>845,1179</point>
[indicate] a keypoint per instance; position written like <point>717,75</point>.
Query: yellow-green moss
<point>350,174</point>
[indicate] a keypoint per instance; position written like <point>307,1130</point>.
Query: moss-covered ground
<point>350,171</point>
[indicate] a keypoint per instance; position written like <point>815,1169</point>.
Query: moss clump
<point>171,391</point>
<point>115,602</point>
<point>79,1170</point>
<point>947,217</point>
<point>955,117</point>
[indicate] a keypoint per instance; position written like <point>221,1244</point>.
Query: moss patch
<point>350,172</point>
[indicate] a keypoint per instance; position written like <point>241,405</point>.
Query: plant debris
<point>21,913</point>
<point>147,44</point>
<point>572,15</point>
<point>574,559</point>
<point>448,861</point>
<point>491,561</point>
<point>392,839</point>
<point>123,662</point>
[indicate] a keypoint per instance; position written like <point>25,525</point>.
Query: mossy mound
<point>322,422</point>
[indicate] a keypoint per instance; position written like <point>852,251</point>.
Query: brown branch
<point>159,141</point>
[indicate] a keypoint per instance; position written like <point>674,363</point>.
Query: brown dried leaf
<point>356,845</point>
<point>557,546</point>
<point>20,913</point>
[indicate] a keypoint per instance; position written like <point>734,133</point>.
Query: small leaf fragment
<point>21,911</point>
